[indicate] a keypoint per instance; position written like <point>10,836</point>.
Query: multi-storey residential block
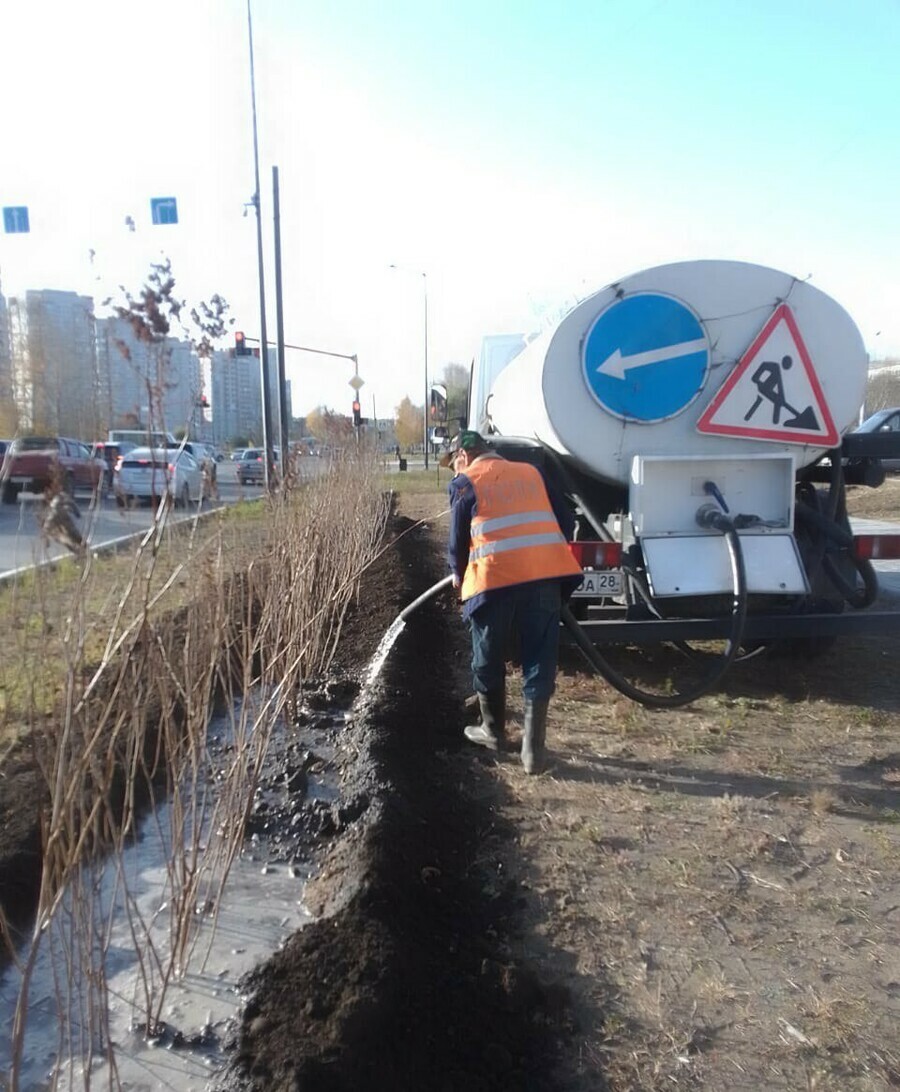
<point>55,380</point>
<point>237,397</point>
<point>157,384</point>
<point>8,414</point>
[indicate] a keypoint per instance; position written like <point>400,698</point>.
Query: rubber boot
<point>491,733</point>
<point>534,734</point>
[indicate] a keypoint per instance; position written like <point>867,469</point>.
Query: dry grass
<point>717,886</point>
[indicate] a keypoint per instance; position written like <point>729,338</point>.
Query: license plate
<point>600,582</point>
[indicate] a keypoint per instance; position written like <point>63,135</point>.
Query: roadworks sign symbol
<point>774,392</point>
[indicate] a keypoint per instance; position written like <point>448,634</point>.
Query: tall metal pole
<point>279,326</point>
<point>425,404</point>
<point>263,340</point>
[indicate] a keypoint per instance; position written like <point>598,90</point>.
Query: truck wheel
<point>10,492</point>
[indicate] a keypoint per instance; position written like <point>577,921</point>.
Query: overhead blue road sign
<point>164,210</point>
<point>646,357</point>
<point>15,219</point>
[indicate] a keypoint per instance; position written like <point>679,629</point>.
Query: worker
<point>509,556</point>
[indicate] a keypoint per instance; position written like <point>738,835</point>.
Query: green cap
<point>466,440</point>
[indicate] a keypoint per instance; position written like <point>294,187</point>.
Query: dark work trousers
<point>528,616</point>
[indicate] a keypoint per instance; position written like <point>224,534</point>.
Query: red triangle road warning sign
<point>774,392</point>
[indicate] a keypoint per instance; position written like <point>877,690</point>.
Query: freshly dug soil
<point>406,980</point>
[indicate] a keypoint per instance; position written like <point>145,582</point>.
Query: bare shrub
<point>203,618</point>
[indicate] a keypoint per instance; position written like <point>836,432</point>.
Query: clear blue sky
<point>522,154</point>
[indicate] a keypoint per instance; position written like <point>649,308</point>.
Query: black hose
<point>672,701</point>
<point>571,488</point>
<point>424,597</point>
<point>858,598</point>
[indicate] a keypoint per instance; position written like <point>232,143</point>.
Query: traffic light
<point>241,348</point>
<point>357,417</point>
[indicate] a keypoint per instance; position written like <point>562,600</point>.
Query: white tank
<point>703,358</point>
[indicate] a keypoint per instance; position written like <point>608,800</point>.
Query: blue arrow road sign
<point>646,357</point>
<point>15,219</point>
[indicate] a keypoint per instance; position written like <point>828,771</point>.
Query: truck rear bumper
<point>620,631</point>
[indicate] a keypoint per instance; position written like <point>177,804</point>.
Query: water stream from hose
<point>396,628</point>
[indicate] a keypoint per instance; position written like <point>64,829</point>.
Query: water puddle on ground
<point>260,907</point>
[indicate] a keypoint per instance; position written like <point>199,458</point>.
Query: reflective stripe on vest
<point>519,543</point>
<point>486,526</point>
<point>514,535</point>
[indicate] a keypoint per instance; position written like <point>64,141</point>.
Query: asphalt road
<point>20,539</point>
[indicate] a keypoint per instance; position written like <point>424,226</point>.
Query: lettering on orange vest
<point>514,536</point>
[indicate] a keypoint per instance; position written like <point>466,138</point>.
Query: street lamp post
<point>424,276</point>
<point>263,340</point>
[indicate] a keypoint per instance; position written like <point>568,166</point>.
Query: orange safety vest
<point>515,537</point>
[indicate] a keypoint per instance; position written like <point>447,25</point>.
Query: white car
<point>152,473</point>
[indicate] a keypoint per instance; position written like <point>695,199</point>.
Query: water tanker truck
<point>698,415</point>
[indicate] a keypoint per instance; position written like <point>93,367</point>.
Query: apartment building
<point>158,384</point>
<point>237,397</point>
<point>55,382</point>
<point>8,415</point>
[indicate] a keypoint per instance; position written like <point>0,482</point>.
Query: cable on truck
<point>828,526</point>
<point>708,516</point>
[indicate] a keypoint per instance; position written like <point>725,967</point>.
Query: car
<point>251,467</point>
<point>153,474</point>
<point>110,453</point>
<point>886,423</point>
<point>36,463</point>
<point>206,458</point>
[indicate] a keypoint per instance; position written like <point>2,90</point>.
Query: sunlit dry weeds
<point>186,630</point>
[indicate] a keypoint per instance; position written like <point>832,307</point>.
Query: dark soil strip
<point>402,984</point>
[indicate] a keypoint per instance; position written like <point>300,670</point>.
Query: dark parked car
<point>251,467</point>
<point>33,463</point>
<point>875,446</point>
<point>885,422</point>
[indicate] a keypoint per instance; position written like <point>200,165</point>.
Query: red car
<point>32,463</point>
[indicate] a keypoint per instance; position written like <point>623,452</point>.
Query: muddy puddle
<point>106,949</point>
